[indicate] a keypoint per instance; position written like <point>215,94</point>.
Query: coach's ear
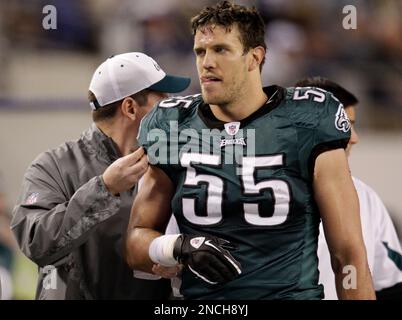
<point>129,108</point>
<point>257,56</point>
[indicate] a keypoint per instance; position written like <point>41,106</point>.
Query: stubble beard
<point>225,98</point>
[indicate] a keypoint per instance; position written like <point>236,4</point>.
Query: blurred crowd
<point>304,37</point>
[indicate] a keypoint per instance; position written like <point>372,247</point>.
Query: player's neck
<point>242,107</point>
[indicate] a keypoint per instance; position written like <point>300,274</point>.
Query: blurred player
<point>75,201</point>
<point>249,221</point>
<point>384,252</point>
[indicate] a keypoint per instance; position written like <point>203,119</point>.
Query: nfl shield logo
<point>232,128</point>
<point>33,197</point>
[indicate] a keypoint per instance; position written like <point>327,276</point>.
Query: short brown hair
<point>226,14</point>
<point>109,111</point>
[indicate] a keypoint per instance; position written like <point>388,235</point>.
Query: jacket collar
<point>99,143</point>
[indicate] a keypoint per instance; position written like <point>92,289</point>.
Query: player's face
<point>354,138</point>
<point>221,64</point>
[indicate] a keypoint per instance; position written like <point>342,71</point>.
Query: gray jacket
<point>73,228</point>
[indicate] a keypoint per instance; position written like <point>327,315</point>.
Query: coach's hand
<point>207,257</point>
<point>125,172</point>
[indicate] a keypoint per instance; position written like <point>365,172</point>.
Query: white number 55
<point>215,186</point>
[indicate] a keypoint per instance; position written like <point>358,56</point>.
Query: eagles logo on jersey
<point>263,202</point>
<point>342,121</point>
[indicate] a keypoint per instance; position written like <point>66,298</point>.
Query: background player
<point>384,252</point>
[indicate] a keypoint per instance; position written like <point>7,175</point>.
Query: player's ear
<point>129,108</point>
<point>257,55</point>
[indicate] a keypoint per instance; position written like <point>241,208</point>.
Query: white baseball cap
<point>123,75</point>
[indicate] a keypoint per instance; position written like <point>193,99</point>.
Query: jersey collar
<point>275,93</point>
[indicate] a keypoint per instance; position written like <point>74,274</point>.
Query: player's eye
<point>199,52</point>
<point>220,49</point>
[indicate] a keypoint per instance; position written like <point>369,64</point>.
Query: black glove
<point>207,257</point>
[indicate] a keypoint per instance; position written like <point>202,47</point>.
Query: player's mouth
<point>205,80</point>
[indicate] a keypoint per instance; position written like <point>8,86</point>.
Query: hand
<point>125,172</point>
<point>207,257</point>
<point>167,272</point>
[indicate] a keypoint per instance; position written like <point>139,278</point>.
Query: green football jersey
<point>250,182</point>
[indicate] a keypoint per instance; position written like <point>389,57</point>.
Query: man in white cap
<point>75,201</point>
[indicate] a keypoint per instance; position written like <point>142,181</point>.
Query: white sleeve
<point>382,244</point>
<point>387,267</point>
<point>327,277</point>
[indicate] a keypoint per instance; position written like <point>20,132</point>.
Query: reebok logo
<point>208,243</point>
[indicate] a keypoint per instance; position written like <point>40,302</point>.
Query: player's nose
<point>208,61</point>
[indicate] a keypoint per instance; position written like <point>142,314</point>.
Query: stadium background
<point>45,74</point>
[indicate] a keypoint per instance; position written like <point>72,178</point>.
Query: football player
<point>248,220</point>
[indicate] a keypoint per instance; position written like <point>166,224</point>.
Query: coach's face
<point>221,63</point>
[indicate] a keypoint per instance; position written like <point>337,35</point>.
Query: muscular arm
<point>339,207</point>
<point>149,217</point>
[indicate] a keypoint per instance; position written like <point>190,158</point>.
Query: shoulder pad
<point>175,109</point>
<point>308,94</point>
<point>180,102</point>
<point>172,109</point>
<point>307,104</point>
